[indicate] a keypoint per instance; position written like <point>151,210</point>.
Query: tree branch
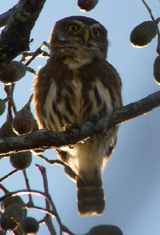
<point>6,15</point>
<point>45,139</point>
<point>15,36</point>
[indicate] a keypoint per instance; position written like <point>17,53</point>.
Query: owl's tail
<point>90,195</point>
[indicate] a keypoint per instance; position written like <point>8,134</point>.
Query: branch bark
<point>15,36</point>
<point>45,139</point>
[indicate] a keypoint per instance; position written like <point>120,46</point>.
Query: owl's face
<point>79,38</point>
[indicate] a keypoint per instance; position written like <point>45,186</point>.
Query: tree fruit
<point>143,34</point>
<point>12,216</point>
<point>29,225</point>
<point>6,130</point>
<point>13,73</point>
<point>10,201</point>
<point>21,160</point>
<point>2,106</point>
<point>23,122</point>
<point>87,5</point>
<point>156,70</point>
<point>105,230</point>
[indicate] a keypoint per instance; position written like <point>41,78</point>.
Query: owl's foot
<point>95,118</point>
<point>70,127</point>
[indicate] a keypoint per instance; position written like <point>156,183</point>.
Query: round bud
<point>156,70</point>
<point>12,215</point>
<point>35,128</point>
<point>10,201</point>
<point>2,106</point>
<point>143,34</point>
<point>29,225</point>
<point>105,230</point>
<point>23,122</point>
<point>21,161</point>
<point>13,72</point>
<point>87,5</point>
<point>6,130</point>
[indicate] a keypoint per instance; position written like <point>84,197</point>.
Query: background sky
<point>132,176</point>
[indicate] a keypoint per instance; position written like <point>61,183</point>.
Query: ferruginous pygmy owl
<point>76,84</point>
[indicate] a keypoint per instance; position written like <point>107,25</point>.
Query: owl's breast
<point>64,96</point>
<point>75,102</point>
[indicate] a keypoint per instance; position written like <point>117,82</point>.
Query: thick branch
<point>44,139</point>
<point>6,15</point>
<point>15,36</point>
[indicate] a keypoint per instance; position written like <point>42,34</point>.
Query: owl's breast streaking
<point>74,96</point>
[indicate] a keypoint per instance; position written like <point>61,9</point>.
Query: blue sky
<point>131,178</point>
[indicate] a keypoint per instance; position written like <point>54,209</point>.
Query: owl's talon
<point>70,128</point>
<point>95,118</point>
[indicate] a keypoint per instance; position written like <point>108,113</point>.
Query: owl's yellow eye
<point>73,27</point>
<point>97,32</point>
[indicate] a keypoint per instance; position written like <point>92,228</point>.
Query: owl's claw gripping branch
<point>70,128</point>
<point>95,118</point>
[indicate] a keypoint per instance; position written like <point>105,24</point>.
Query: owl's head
<point>79,37</point>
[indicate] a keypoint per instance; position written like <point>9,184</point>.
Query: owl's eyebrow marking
<point>97,25</point>
<point>76,22</point>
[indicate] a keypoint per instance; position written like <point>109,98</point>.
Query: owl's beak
<point>86,34</point>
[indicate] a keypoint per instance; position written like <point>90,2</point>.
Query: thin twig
<point>51,162</point>
<point>6,99</point>
<point>35,54</point>
<point>66,230</point>
<point>29,69</point>
<point>21,192</point>
<point>8,175</point>
<point>149,10</point>
<point>28,188</point>
<point>3,189</point>
<point>7,89</point>
<point>27,105</point>
<point>46,44</point>
<point>38,52</point>
<point>25,55</point>
<point>47,218</point>
<point>49,212</point>
<point>12,100</point>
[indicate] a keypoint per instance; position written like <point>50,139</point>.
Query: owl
<point>76,85</point>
